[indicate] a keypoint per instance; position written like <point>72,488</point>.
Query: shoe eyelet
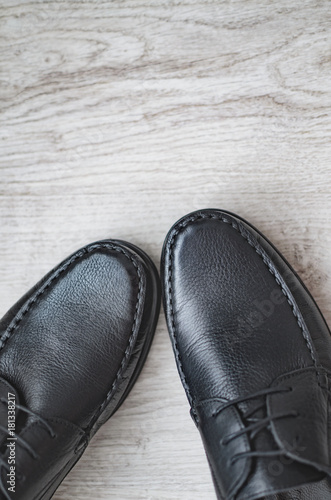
<point>224,441</point>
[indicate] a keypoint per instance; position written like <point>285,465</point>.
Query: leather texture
<point>254,355</point>
<point>70,351</point>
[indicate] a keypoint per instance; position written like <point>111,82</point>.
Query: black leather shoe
<point>70,351</point>
<point>254,355</point>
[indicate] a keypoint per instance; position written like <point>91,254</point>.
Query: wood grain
<point>118,117</point>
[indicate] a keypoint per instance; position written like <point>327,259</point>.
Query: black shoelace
<point>256,424</point>
<point>22,442</point>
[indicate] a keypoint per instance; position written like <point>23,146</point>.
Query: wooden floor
<point>117,118</point>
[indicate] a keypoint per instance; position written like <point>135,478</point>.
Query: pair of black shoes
<point>252,349</point>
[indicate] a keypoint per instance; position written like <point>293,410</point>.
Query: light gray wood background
<point>117,118</point>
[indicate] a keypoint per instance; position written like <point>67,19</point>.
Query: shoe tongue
<point>273,475</point>
<point>290,452</point>
<point>302,439</point>
<point>8,414</point>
